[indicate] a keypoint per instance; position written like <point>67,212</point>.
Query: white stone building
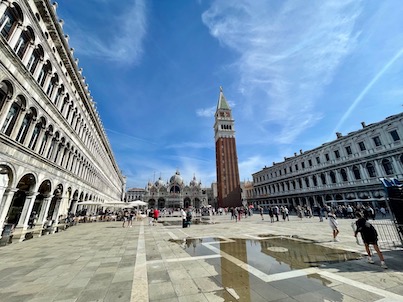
<point>343,171</point>
<point>135,194</point>
<point>54,153</point>
<point>175,193</point>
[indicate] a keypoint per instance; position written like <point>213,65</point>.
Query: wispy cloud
<point>124,44</point>
<point>288,52</point>
<point>368,87</point>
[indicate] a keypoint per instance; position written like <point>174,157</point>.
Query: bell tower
<point>228,183</point>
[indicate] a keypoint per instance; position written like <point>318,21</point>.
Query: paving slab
<point>224,260</point>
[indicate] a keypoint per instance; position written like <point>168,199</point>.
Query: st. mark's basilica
<point>175,193</point>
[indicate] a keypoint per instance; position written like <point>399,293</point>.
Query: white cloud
<point>124,44</point>
<point>288,52</point>
<point>206,112</point>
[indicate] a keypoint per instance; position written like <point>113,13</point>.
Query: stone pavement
<point>221,261</point>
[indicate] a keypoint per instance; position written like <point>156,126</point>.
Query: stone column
<point>28,53</point>
<point>30,131</point>
<point>18,123</point>
<point>6,202</point>
<point>4,4</point>
<point>26,211</point>
<point>378,169</point>
<point>38,68</point>
<point>15,35</point>
<point>44,210</point>
<point>5,110</point>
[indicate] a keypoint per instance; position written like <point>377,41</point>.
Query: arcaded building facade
<point>54,152</point>
<point>344,171</point>
<point>175,193</point>
<point>228,182</point>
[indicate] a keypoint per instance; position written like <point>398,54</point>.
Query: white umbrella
<point>137,203</point>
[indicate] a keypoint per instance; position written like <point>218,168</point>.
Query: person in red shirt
<point>156,214</point>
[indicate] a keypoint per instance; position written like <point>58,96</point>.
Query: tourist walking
<point>370,237</point>
<point>334,225</point>
<point>156,215</point>
<point>151,216</point>
<point>261,212</point>
<point>183,214</point>
<point>271,214</point>
<point>125,218</point>
<point>188,217</point>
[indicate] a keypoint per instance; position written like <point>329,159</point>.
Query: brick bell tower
<point>228,183</point>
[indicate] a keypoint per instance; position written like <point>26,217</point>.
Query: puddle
<point>272,255</point>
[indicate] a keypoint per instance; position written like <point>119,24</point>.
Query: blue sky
<point>294,73</point>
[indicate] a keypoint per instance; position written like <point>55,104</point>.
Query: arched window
<point>59,94</point>
<point>371,170</point>
<point>332,177</point>
<point>45,71</point>
<point>45,139</point>
<point>35,134</point>
<point>34,59</point>
<point>343,174</point>
<point>6,90</point>
<point>52,85</point>
<point>26,123</point>
<point>65,103</point>
<point>23,41</point>
<point>387,166</point>
<point>8,22</point>
<point>12,116</point>
<point>52,146</point>
<point>356,172</point>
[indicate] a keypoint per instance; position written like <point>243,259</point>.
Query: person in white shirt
<point>334,225</point>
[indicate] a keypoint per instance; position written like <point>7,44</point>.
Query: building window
<point>323,178</point>
<point>371,170</point>
<point>307,182</point>
<point>11,118</point>
<point>377,141</point>
<point>362,146</point>
<point>348,150</point>
<point>337,153</point>
<point>310,162</point>
<point>22,133</point>
<point>7,23</point>
<point>356,172</point>
<point>333,177</point>
<point>327,157</point>
<point>318,159</point>
<point>343,174</point>
<point>296,167</point>
<point>315,182</point>
<point>395,135</point>
<point>387,166</point>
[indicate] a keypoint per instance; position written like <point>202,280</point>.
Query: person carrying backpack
<point>369,237</point>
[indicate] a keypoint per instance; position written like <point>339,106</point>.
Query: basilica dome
<point>159,182</point>
<point>176,178</point>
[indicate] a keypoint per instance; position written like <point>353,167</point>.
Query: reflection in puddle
<point>277,254</point>
<point>244,271</point>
